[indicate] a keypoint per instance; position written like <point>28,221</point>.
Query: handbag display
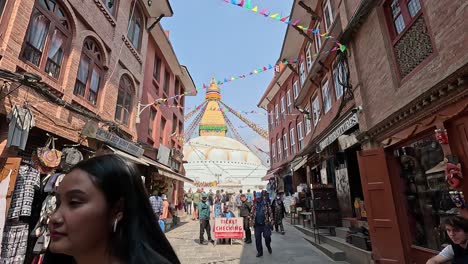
<point>49,157</point>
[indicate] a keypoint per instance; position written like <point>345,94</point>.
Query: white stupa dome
<point>222,159</point>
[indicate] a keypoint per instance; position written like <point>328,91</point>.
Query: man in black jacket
<point>244,213</point>
<point>277,208</point>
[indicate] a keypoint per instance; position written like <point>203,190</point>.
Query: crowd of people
<point>256,209</point>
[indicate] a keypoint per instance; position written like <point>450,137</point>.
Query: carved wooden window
<point>48,37</point>
<point>408,31</point>
<point>88,79</point>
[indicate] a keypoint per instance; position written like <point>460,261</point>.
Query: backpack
<point>260,215</point>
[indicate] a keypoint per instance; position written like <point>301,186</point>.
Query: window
<point>300,135</point>
<point>181,128</point>
<point>174,124</point>
<point>162,128</point>
<point>285,143</point>
<point>276,115</point>
<point>318,40</point>
<point>327,15</point>
<point>88,79</point>
<point>309,57</point>
<point>282,107</point>
<point>307,122</point>
<point>47,37</point>
<point>167,80</point>
<point>157,69</point>
<point>402,13</point>
<point>151,122</point>
<point>135,26</point>
<point>2,6</point>
<point>111,5</point>
<point>270,119</point>
<point>316,110</point>
<point>279,149</point>
<point>326,97</point>
<point>295,90</point>
<point>422,173</point>
<point>289,101</point>
<point>124,100</point>
<point>339,78</point>
<point>273,152</point>
<point>302,73</point>
<point>177,87</point>
<point>292,140</point>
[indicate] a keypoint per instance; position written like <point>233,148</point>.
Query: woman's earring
<point>115,225</point>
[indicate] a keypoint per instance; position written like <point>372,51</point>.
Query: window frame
<point>330,14</point>
<point>302,73</point>
<point>309,56</point>
<point>408,20</point>
<point>152,119</point>
<point>337,73</point>
<point>273,151</point>
<point>167,83</point>
<point>292,140</point>
<point>316,106</point>
<point>53,24</point>
<point>280,146</point>
<point>157,68</point>
<point>307,122</point>
<point>300,135</point>
<point>162,129</point>
<point>276,115</point>
<point>283,108</point>
<point>326,98</point>
<point>132,19</point>
<point>115,8</point>
<point>285,144</point>
<point>296,90</point>
<point>289,101</point>
<point>270,119</point>
<point>94,64</point>
<point>2,7</point>
<point>128,91</point>
<point>318,39</point>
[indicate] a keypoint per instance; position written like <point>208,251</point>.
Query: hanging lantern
<point>441,135</point>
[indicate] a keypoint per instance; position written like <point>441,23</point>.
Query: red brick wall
<point>153,90</point>
<point>87,20</point>
<point>382,91</point>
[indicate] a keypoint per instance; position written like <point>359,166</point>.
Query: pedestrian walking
<point>196,201</point>
<point>261,220</point>
<point>217,207</point>
<point>249,196</point>
<point>211,197</point>
<point>204,216</point>
<point>245,209</point>
<point>157,204</point>
<point>238,201</point>
<point>165,211</point>
<point>104,216</point>
<point>278,210</point>
<point>189,201</point>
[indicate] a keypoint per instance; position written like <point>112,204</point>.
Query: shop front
<point>416,182</point>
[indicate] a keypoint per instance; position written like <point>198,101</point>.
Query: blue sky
<point>213,38</point>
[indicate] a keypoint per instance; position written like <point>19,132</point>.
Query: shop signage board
<point>347,124</point>
<point>229,227</point>
<point>93,131</point>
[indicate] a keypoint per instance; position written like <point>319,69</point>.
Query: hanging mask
<point>442,137</point>
<point>453,175</point>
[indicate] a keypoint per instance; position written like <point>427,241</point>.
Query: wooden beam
<point>292,69</point>
<point>309,10</point>
<point>303,34</point>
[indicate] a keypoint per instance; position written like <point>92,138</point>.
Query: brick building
<point>373,111</point>
<point>80,69</point>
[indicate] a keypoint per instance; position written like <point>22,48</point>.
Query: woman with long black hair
<point>103,216</point>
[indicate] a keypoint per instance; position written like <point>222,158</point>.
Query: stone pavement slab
<point>288,248</point>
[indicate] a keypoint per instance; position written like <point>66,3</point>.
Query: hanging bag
<point>47,156</point>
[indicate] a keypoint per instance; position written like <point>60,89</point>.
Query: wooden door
<point>458,137</point>
<point>387,246</point>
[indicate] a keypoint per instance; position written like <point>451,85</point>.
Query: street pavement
<point>288,248</point>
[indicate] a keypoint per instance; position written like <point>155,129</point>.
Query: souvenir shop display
<point>49,157</point>
<point>21,121</point>
<point>453,174</point>
<point>70,157</point>
<point>442,137</point>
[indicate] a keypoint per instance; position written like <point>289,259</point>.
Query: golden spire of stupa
<point>213,123</point>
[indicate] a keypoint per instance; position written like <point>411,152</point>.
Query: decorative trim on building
<point>106,13</point>
<point>132,49</point>
<point>446,93</point>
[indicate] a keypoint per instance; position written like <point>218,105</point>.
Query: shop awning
<point>270,174</point>
<point>301,163</point>
<point>128,156</point>
<point>167,171</point>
